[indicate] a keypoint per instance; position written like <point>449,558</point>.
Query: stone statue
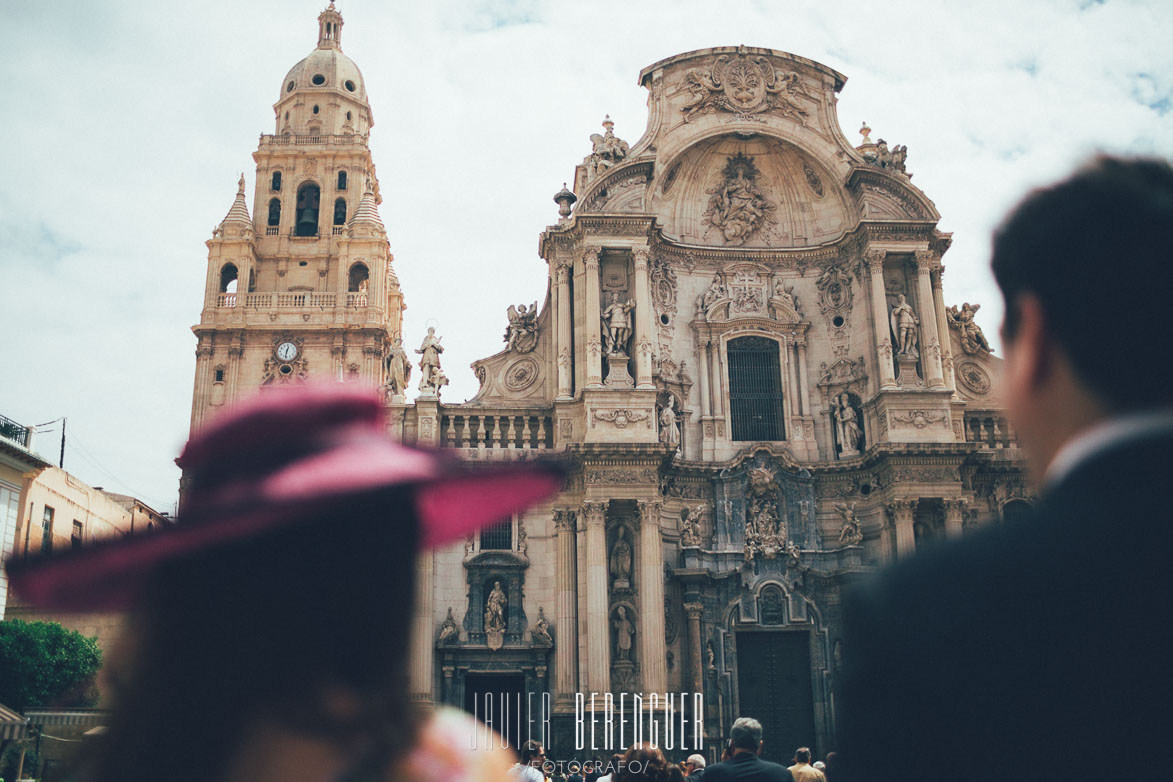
<point>608,150</point>
<point>690,527</point>
<point>715,292</point>
<point>449,632</point>
<point>899,155</point>
<point>737,207</point>
<point>621,561</point>
<point>430,352</point>
<point>540,632</point>
<point>521,333</point>
<point>710,656</point>
<point>850,534</point>
<point>904,322</point>
<point>669,428</point>
<point>617,325</point>
<point>973,340</point>
<point>398,367</point>
<point>624,631</point>
<point>495,609</point>
<point>846,426</point>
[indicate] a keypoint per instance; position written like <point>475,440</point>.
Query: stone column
<point>931,341</point>
<point>954,513</point>
<point>715,377</point>
<point>644,330</point>
<point>901,512</point>
<point>875,265</point>
<point>566,656</point>
<point>653,654</point>
<point>594,344</point>
<point>694,610</point>
<point>565,332</point>
<point>943,329</point>
<point>598,621</point>
<point>421,641</point>
<point>702,354</point>
<point>803,391</point>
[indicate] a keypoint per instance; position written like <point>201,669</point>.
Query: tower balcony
<point>293,300</point>
<point>349,139</point>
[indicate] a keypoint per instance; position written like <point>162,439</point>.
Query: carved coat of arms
<point>745,86</point>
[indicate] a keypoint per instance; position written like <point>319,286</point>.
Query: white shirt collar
<point>1102,436</point>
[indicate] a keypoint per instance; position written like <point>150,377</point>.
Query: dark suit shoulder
<point>748,768</point>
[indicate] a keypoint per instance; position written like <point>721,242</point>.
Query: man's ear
<point>1032,346</point>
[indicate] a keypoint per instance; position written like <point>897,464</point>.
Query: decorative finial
<point>864,131</point>
<point>607,123</point>
<point>240,184</point>
<point>564,198</point>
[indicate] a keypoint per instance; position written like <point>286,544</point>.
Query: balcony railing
<point>11,430</point>
<point>288,300</point>
<point>485,431</point>
<point>990,429</point>
<point>284,140</point>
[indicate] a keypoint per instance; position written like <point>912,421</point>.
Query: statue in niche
<point>398,367</point>
<point>850,534</point>
<point>608,150</point>
<point>737,207</point>
<point>904,322</point>
<point>495,609</point>
<point>846,426</point>
<point>624,633</point>
<point>716,292</point>
<point>617,325</point>
<point>690,527</point>
<point>430,352</point>
<point>710,657</point>
<point>449,632</point>
<point>765,531</point>
<point>540,632</point>
<point>669,427</point>
<point>621,561</point>
<point>973,340</point>
<point>522,332</point>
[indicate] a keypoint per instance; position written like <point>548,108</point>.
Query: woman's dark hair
<point>642,763</point>
<point>256,631</point>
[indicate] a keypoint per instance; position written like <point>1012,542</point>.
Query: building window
<point>275,185</point>
<point>342,174</point>
<point>219,375</point>
<point>340,212</point>
<point>274,212</point>
<point>357,282</point>
<point>228,278</point>
<point>498,537</point>
<point>755,389</point>
<point>47,530</point>
<point>307,210</point>
<point>75,538</point>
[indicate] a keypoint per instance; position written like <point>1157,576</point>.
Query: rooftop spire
<point>239,211</point>
<point>330,29</point>
<point>367,211</point>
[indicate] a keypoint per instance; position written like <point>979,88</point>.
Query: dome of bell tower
<point>324,93</point>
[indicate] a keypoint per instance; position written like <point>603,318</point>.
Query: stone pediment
<point>522,371</point>
<point>886,196</point>
<point>621,190</point>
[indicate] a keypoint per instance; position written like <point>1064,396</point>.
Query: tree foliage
<point>45,664</point>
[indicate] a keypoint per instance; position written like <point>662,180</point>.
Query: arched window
<point>274,211</point>
<point>358,279</point>
<point>308,196</point>
<point>275,185</point>
<point>228,279</point>
<point>340,211</point>
<point>342,175</point>
<point>755,389</point>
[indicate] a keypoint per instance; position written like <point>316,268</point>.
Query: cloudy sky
<point>127,124</point>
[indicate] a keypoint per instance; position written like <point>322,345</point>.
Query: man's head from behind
<point>533,753</point>
<point>802,755</point>
<point>1085,266</point>
<point>694,763</point>
<point>746,734</point>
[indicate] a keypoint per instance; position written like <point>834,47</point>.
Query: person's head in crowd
<point>745,736</point>
<point>820,765</point>
<point>727,750</point>
<point>674,773</point>
<point>268,624</point>
<point>533,753</point>
<point>694,762</point>
<point>642,763</point>
<point>1085,268</point>
<point>802,755</point>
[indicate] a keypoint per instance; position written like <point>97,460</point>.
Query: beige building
<point>18,467</point>
<point>745,350</point>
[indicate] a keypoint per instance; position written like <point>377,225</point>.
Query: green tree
<point>45,664</point>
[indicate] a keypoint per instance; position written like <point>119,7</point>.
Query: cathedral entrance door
<point>774,687</point>
<point>494,699</point>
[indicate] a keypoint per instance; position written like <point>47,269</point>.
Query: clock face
<point>287,351</point>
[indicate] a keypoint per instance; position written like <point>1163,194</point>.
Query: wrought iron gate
<point>755,389</point>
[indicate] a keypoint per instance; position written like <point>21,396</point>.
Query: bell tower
<point>304,287</point>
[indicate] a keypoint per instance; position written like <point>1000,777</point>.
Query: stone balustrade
<point>268,139</point>
<point>487,430</point>
<point>989,428</point>
<point>289,300</point>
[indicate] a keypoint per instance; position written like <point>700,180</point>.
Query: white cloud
<point>127,124</point>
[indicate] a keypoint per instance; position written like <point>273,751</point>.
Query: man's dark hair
<point>746,733</point>
<point>530,750</point>
<point>1096,250</point>
<point>802,755</point>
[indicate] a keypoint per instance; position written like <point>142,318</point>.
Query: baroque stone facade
<point>744,351</point>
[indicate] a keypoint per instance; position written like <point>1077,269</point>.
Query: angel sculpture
<point>850,533</point>
<point>521,333</point>
<point>973,340</point>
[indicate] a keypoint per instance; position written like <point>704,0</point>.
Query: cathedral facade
<point>745,354</point>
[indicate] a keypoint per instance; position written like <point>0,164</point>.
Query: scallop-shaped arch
<point>728,191</point>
